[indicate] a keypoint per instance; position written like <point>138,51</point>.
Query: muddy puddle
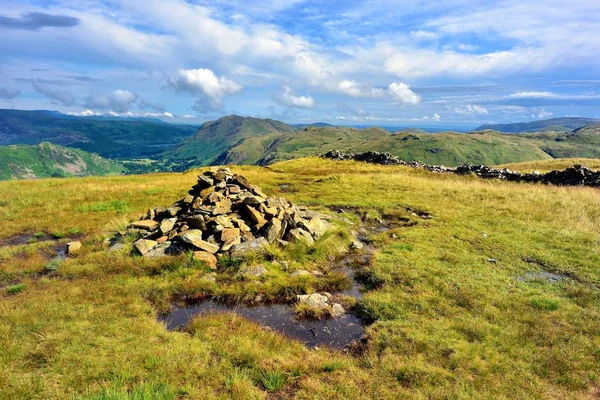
<point>542,275</point>
<point>336,332</point>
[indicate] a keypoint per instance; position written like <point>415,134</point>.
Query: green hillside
<point>555,124</point>
<point>238,140</point>
<point>216,137</point>
<point>446,148</point>
<point>47,160</point>
<point>107,137</point>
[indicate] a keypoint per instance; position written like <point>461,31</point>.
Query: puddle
<point>336,332</point>
<point>549,276</point>
<point>19,240</point>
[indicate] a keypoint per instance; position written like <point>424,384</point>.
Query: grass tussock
<point>447,322</point>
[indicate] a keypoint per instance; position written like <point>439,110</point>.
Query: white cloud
<point>84,113</point>
<point>423,35</point>
<point>354,89</point>
<point>553,96</point>
<point>118,101</point>
<point>435,117</point>
<point>209,88</point>
<point>203,80</point>
<point>402,94</point>
<point>471,109</point>
<point>290,99</point>
<point>544,114</point>
<point>398,92</point>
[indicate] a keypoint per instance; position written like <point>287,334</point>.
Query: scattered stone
<point>492,260</point>
<point>253,245</point>
<point>207,258</point>
<point>73,247</point>
<point>212,277</point>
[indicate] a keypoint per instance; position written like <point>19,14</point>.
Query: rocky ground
<point>577,175</point>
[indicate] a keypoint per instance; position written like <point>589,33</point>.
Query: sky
<point>445,63</point>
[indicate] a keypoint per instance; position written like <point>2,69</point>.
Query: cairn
<point>224,214</point>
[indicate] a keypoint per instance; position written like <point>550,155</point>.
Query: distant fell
<point>107,137</point>
<point>46,160</point>
<point>555,124</point>
<point>215,137</point>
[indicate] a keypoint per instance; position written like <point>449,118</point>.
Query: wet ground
<point>542,275</point>
<point>336,332</point>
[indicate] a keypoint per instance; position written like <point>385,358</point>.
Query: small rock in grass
<point>73,247</point>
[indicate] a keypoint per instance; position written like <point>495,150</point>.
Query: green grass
<point>15,289</point>
<point>446,323</point>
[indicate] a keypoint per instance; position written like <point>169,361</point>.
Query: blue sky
<point>390,63</point>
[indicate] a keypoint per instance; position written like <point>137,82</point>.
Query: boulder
<point>300,235</point>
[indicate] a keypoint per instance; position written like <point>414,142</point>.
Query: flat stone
<point>173,211</point>
<point>207,258</point>
<point>229,233</point>
<point>194,237</point>
<point>159,250</point>
<point>146,224</point>
<point>162,239</point>
<point>73,247</point>
<point>230,243</point>
<point>302,236</point>
<point>255,216</point>
<point>143,246</point>
<point>316,300</point>
<point>242,181</point>
<point>252,245</point>
<point>253,200</point>
<point>167,225</point>
<point>273,230</point>
<point>315,226</point>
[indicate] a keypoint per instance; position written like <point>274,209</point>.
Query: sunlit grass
<point>447,322</point>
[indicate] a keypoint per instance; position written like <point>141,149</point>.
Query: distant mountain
<point>216,137</point>
<point>554,124</point>
<point>238,140</point>
<point>108,137</point>
<point>47,160</point>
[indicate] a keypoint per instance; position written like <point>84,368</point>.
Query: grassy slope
<point>45,159</point>
<point>448,323</point>
<point>109,138</point>
<point>549,165</point>
<point>216,137</point>
<point>447,148</point>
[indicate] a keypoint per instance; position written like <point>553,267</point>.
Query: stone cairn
<point>224,214</point>
<point>577,175</point>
